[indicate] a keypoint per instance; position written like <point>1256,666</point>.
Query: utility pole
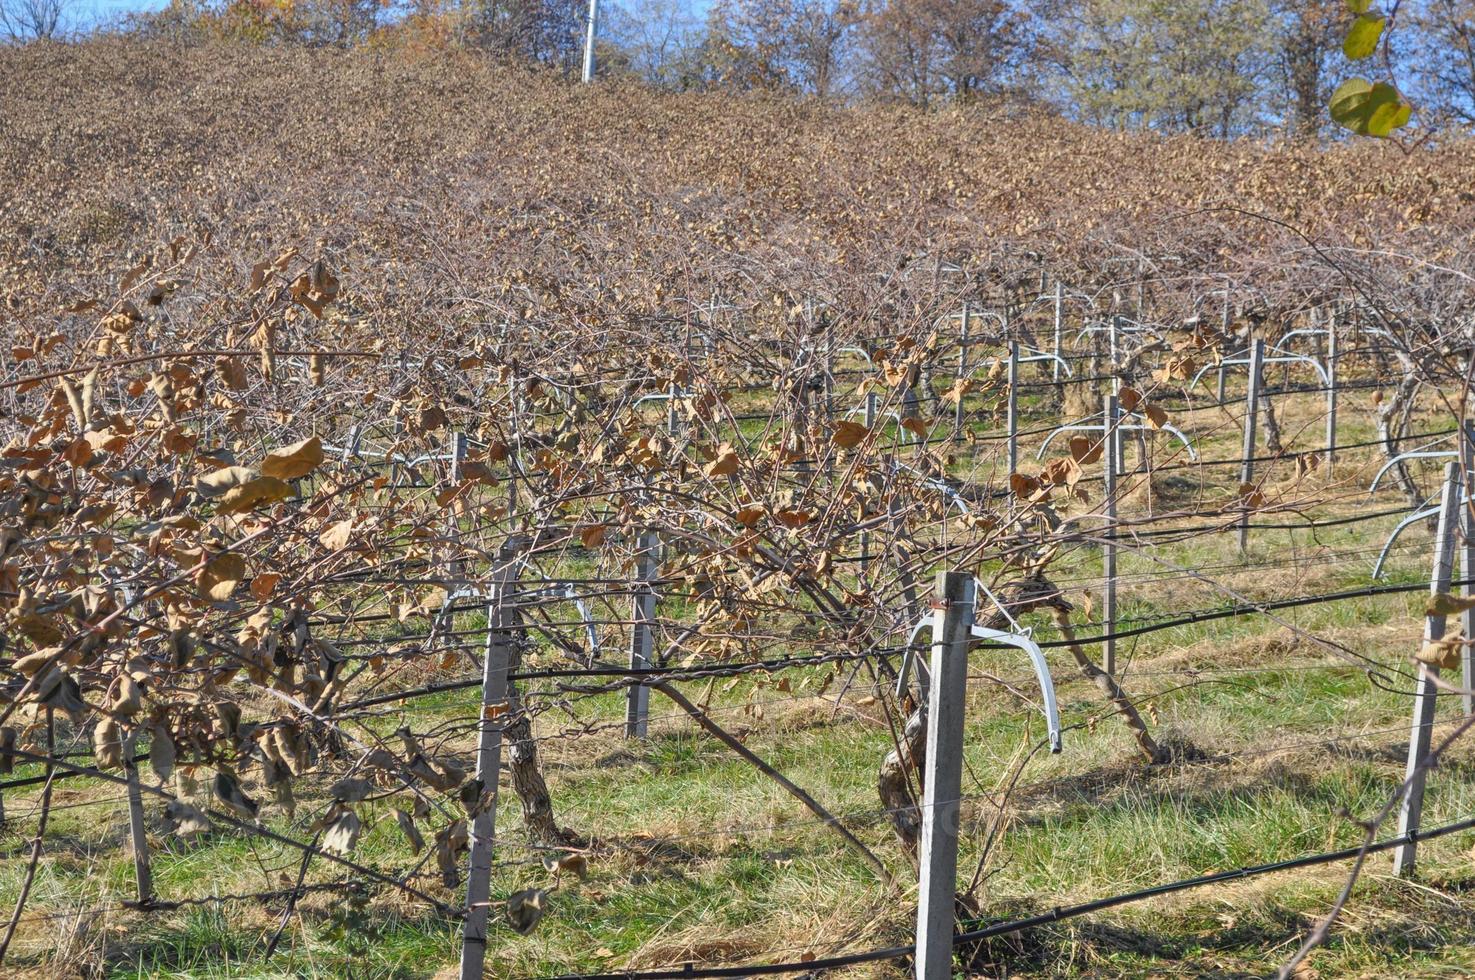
<point>589,32</point>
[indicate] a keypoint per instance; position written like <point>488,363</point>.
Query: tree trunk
<point>1272,426</point>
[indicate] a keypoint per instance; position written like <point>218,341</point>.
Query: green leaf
<point>1359,6</point>
<point>1369,109</point>
<point>1363,36</point>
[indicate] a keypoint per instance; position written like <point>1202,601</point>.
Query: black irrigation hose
<point>733,669</point>
<point>730,669</point>
<point>1057,914</point>
<point>1244,608</point>
<point>681,673</point>
<point>1309,452</point>
<point>1125,533</point>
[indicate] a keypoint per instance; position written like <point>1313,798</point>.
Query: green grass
<point>697,856</point>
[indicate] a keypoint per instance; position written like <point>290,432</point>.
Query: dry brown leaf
<point>848,435</point>
<point>294,461</point>
<point>220,576</point>
<point>1084,449</point>
<point>337,536</point>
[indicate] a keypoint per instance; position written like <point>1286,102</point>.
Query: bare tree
<point>660,38</point>
<point>1445,61</point>
<point>921,50</point>
<point>32,20</point>
<point>798,44</point>
<point>1308,37</point>
<point>545,31</point>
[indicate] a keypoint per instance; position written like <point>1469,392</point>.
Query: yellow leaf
<point>724,464</point>
<point>1063,471</point>
<point>1023,486</point>
<point>1444,654</point>
<point>1251,495</point>
<point>960,389</point>
<point>1445,604</point>
<point>1180,368</point>
<point>792,518</point>
<point>221,481</point>
<point>263,585</point>
<point>749,516</point>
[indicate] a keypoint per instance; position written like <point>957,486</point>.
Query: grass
<point>698,857</point>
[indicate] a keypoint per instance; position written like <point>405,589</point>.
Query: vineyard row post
<point>1331,392</point>
<point>865,536</point>
<point>1012,416</point>
<point>963,341</point>
<point>643,613</point>
<point>453,523</point>
<point>1411,811</point>
<point>1059,314</point>
<point>829,389</point>
<point>1224,321</point>
<point>137,832</point>
<point>1247,464</point>
<point>1141,288</point>
<point>1467,564</point>
<point>495,714</point>
<point>952,629</point>
<point>591,30</point>
<point>458,456</point>
<point>1111,452</point>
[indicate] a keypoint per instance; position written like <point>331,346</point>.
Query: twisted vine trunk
<point>1272,426</point>
<point>532,789</point>
<point>894,784</point>
<point>1108,686</point>
<point>1392,415</point>
<point>527,773</point>
<point>898,791</point>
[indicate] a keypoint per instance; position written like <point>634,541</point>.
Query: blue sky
<point>91,11</point>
